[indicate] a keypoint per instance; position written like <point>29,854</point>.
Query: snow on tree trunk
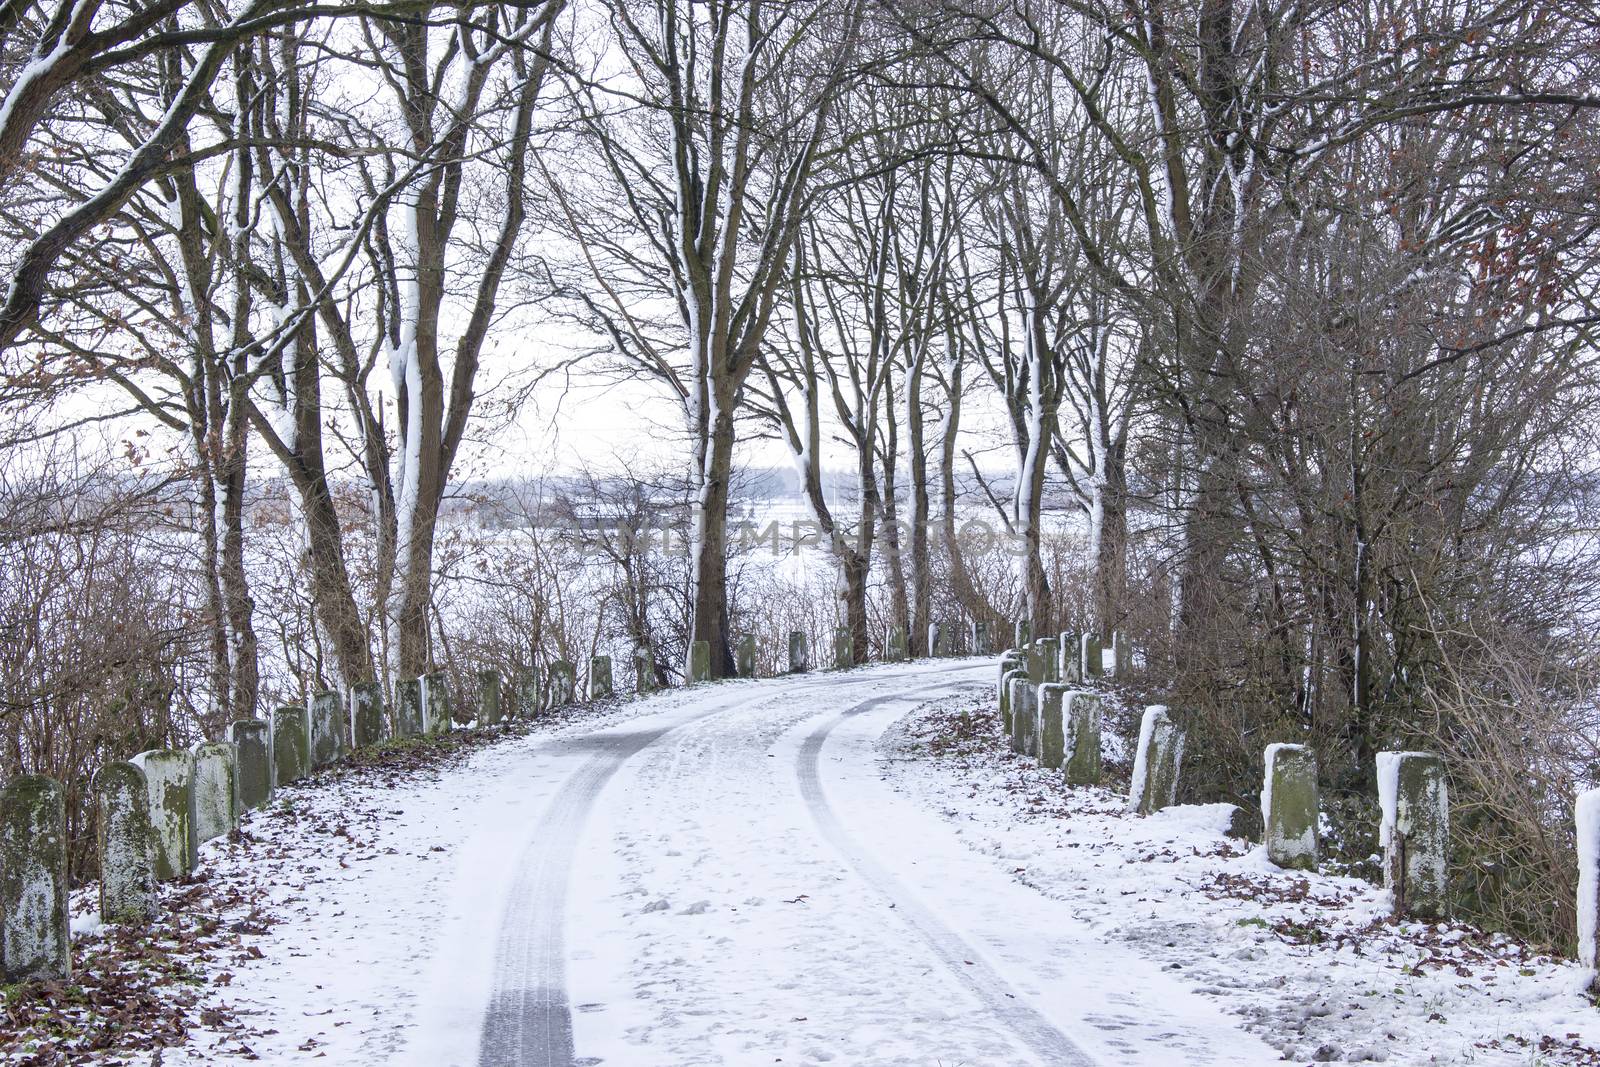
<point>168,774</point>
<point>366,714</point>
<point>123,845</point>
<point>1415,832</point>
<point>35,940</point>
<point>1081,760</point>
<point>215,791</point>
<point>252,743</point>
<point>408,713</point>
<point>1289,808</point>
<point>328,729</point>
<point>1157,762</point>
<point>600,687</point>
<point>291,743</point>
<point>1587,816</point>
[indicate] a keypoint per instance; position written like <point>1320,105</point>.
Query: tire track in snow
<point>1034,1030</point>
<point>528,1021</point>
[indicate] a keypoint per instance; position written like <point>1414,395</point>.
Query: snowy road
<point>731,882</point>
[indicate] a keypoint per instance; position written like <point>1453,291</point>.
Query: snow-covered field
<point>842,868</point>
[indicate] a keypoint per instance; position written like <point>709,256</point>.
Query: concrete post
<point>1158,761</point>
<point>1049,656</point>
<point>168,775</point>
<point>799,658</point>
<point>252,744</point>
<point>491,707</point>
<point>896,652</point>
<point>35,935</point>
<point>699,662</point>
<point>1415,832</point>
<point>437,715</point>
<point>1121,652</point>
<point>1081,749</point>
<point>1008,698</point>
<point>124,841</point>
<point>644,672</point>
<point>600,687</point>
<point>980,639</point>
<point>1025,719</point>
<point>1052,727</point>
<point>291,744</point>
<point>367,720</point>
<point>938,642</point>
<point>215,792</point>
<point>844,653</point>
<point>1289,807</point>
<point>562,683</point>
<point>408,713</point>
<point>1093,660</point>
<point>1068,667</point>
<point>1024,634</point>
<point>327,728</point>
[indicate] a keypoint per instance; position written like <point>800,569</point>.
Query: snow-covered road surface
<point>731,882</point>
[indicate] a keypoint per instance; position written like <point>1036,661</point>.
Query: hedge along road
<point>731,882</point>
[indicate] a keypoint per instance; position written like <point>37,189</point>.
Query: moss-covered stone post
<point>327,728</point>
<point>1009,681</point>
<point>744,657</point>
<point>1069,665</point>
<point>1415,832</point>
<point>35,935</point>
<point>1024,718</point>
<point>980,639</point>
<point>168,776</point>
<point>408,713</point>
<point>367,720</point>
<point>1586,813</point>
<point>252,744</point>
<point>1052,726</point>
<point>1094,663</point>
<point>699,662</point>
<point>799,655</point>
<point>600,687</point>
<point>438,717</point>
<point>1289,807</point>
<point>1121,652</point>
<point>215,793</point>
<point>1049,659</point>
<point>844,652</point>
<point>123,844</point>
<point>644,672</point>
<point>291,744</point>
<point>896,652</point>
<point>491,698</point>
<point>562,683</point>
<point>1081,756</point>
<point>1158,760</point>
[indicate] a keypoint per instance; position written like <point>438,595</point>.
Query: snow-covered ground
<point>841,868</point>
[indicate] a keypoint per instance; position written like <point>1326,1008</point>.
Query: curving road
<point>731,882</point>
